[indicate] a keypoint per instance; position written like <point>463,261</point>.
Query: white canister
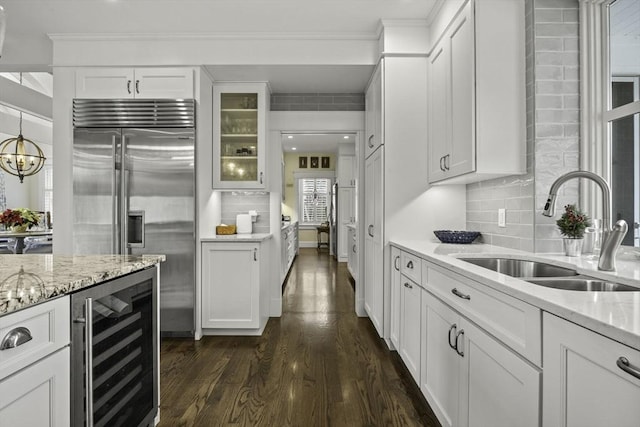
<point>244,224</point>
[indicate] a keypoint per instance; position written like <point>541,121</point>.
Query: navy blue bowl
<point>449,236</point>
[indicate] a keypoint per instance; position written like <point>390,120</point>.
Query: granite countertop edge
<point>615,315</point>
<point>52,276</point>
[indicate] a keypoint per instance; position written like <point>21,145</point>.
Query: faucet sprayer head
<point>550,206</point>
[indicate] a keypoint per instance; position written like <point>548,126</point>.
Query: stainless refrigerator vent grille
<point>128,113</point>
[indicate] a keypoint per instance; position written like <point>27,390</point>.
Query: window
<point>313,200</point>
<point>610,102</point>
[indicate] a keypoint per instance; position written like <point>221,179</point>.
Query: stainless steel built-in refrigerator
<point>134,192</point>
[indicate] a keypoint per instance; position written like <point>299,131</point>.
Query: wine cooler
<point>114,371</point>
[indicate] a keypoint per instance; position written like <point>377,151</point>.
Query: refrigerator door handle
<point>124,198</point>
<point>115,247</point>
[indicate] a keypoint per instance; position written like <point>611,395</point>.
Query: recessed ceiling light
<point>346,137</point>
<point>293,148</point>
<point>290,136</point>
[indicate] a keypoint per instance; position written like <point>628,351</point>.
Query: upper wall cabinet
<point>476,81</point>
<point>239,135</point>
<point>373,116</point>
<point>167,83</point>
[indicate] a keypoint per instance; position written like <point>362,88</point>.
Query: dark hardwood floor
<point>317,365</point>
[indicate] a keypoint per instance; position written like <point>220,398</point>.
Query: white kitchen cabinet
<point>395,311</point>
<point>289,247</point>
<point>38,395</point>
<point>476,98</point>
<point>233,296</point>
<point>410,306</point>
<point>462,362</point>
<point>586,379</point>
<point>239,135</point>
<point>374,136</point>
<point>346,216</point>
<point>151,83</point>
<point>347,170</point>
<point>36,372</point>
<point>374,243</point>
<point>352,261</point>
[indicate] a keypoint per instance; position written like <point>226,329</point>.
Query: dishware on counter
<point>451,236</point>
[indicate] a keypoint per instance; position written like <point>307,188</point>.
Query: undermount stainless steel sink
<point>521,267</point>
<point>584,284</point>
<point>549,275</point>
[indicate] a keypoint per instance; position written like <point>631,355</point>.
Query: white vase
<point>572,246</point>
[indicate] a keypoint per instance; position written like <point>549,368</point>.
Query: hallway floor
<point>317,365</point>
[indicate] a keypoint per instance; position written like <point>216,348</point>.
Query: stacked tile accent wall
<point>241,202</point>
<point>317,102</point>
<point>552,68</point>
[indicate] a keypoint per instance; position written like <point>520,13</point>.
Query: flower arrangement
<point>20,218</point>
<point>573,222</point>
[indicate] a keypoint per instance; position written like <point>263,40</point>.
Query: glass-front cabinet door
<point>239,135</point>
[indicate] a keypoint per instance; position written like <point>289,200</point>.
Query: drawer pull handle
<point>461,333</point>
<point>623,363</point>
<point>16,337</point>
<point>452,329</point>
<point>370,228</point>
<point>410,265</point>
<point>354,249</point>
<point>395,263</point>
<point>369,143</point>
<point>460,294</point>
<point>406,285</point>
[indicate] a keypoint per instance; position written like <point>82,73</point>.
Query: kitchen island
<point>63,315</point>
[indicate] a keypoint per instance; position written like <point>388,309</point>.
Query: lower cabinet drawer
<point>512,321</point>
<point>38,395</point>
<point>48,326</point>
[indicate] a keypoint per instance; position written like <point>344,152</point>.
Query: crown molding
<point>208,36</point>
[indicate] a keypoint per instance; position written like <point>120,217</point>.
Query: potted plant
<point>19,219</point>
<point>572,225</point>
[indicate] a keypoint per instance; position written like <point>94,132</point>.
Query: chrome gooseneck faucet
<point>612,235</point>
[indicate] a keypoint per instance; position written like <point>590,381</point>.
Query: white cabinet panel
<point>396,285</point>
<point>230,285</point>
<point>347,170</point>
<point>410,306</point>
<point>584,384</point>
<point>374,137</point>
<point>477,94</point>
<point>440,371</point>
<point>39,395</point>
<point>114,83</point>
<point>374,286</point>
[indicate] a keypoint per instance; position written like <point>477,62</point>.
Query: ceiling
<point>314,142</point>
<point>28,47</point>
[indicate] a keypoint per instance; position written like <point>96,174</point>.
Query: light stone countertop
<point>30,279</point>
<point>286,226</point>
<point>613,314</point>
<point>235,238</point>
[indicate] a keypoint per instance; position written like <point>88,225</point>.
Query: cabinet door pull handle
<point>370,228</point>
<point>354,249</point>
<point>395,263</point>
<point>138,86</point>
<point>369,143</point>
<point>410,265</point>
<point>442,163</point>
<point>16,337</point>
<point>461,333</point>
<point>261,177</point>
<point>407,285</point>
<point>129,87</point>
<point>452,329</point>
<point>88,360</point>
<point>624,364</point>
<point>255,254</point>
<point>446,161</point>
<point>460,294</point>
